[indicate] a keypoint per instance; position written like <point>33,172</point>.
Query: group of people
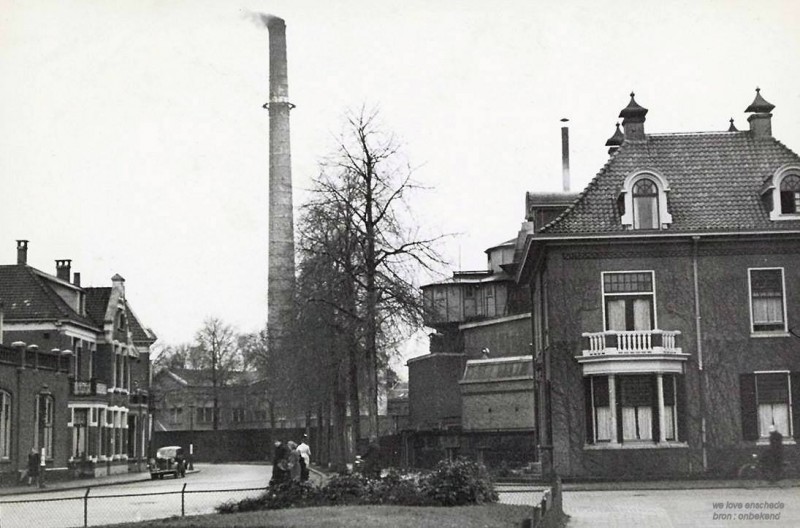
<point>290,462</point>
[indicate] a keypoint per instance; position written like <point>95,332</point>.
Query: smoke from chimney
<point>565,155</point>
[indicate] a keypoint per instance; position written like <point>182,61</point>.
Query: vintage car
<point>169,460</point>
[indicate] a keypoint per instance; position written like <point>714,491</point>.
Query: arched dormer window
<point>790,194</point>
<point>643,201</point>
<point>645,205</point>
<point>785,194</point>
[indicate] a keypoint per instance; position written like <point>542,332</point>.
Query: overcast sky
<point>132,138</point>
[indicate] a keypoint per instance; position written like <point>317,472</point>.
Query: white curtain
<point>646,212</point>
<point>669,422</point>
<point>616,314</point>
<point>641,314</point>
<point>776,414</point>
<point>603,417</point>
<point>629,419</point>
<point>767,310</point>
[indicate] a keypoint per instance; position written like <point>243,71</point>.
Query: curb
<point>79,484</point>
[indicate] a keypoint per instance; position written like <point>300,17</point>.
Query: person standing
<point>33,465</point>
<point>775,455</point>
<point>280,467</point>
<point>294,462</point>
<point>305,458</point>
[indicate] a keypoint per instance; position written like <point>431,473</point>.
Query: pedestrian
<point>774,458</point>
<point>294,461</point>
<point>34,459</point>
<point>372,463</point>
<point>305,458</point>
<point>280,464</point>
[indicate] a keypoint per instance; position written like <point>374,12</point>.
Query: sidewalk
<point>122,478</point>
<point>677,485</point>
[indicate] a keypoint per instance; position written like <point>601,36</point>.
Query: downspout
<point>699,345</point>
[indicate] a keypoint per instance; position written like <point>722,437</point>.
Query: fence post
<point>86,508</point>
<point>183,500</point>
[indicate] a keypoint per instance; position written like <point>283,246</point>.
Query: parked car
<point>169,460</point>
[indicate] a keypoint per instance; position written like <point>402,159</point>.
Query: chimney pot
<point>76,279</point>
<point>22,252</point>
<point>760,119</point>
<point>63,267</point>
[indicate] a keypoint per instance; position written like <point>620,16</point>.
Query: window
<point>5,424</point>
<point>43,424</point>
<point>176,414</point>
<point>642,203</point>
<point>628,300</point>
<point>205,414</point>
<point>767,401</point>
<point>79,432</point>
<point>237,415</point>
<point>767,306</point>
<point>645,205</point>
<point>790,194</point>
<point>626,408</point>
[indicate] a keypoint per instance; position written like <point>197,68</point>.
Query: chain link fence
<point>91,507</point>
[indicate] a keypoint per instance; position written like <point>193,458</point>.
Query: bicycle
<point>756,470</point>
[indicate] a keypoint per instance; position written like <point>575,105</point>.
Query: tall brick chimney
<point>281,272</point>
<point>22,251</point>
<point>565,155</point>
<point>63,269</point>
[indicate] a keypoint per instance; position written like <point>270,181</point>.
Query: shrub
<point>458,483</point>
<point>345,489</point>
<point>285,495</point>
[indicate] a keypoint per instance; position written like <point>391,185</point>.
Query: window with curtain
<point>645,205</point>
<point>766,300</point>
<point>670,387</point>
<point>636,403</point>
<point>629,300</point>
<point>790,194</point>
<point>80,419</point>
<point>43,424</point>
<point>772,398</point>
<point>601,409</point>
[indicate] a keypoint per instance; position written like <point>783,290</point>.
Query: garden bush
<point>458,483</point>
<point>455,483</point>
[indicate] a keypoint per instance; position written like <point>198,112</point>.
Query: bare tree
<point>220,356</point>
<point>359,224</point>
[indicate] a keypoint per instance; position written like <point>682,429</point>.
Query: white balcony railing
<point>632,342</point>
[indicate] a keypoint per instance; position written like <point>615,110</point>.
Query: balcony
<point>633,351</point>
<point>91,387</point>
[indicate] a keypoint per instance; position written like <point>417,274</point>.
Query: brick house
<point>666,306</point>
<point>104,405</point>
<point>183,401</point>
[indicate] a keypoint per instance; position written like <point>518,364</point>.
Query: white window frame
<point>630,294</point>
<point>777,179</point>
<point>665,219</point>
<point>763,436</point>
<point>767,333</point>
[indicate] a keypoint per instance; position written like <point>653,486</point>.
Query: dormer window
<point>645,205</point>
<point>790,194</point>
<point>643,202</point>
<point>784,194</point>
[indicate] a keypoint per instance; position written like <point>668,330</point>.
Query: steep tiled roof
<point>96,303</point>
<point>715,181</point>
<point>27,296</point>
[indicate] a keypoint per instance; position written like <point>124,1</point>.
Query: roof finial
<point>732,128</point>
<point>759,104</point>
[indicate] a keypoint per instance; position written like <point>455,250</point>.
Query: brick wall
<point>433,391</point>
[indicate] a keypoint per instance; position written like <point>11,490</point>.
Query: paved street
<point>684,508</point>
<point>149,500</point>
